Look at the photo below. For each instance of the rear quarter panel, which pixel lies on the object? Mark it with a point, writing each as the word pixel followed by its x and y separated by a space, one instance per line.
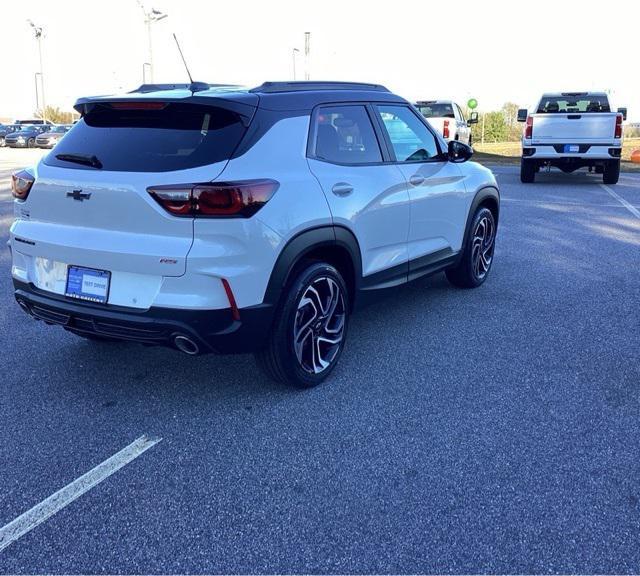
pixel 246 250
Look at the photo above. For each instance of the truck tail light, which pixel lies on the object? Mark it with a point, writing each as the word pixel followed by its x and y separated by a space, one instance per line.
pixel 241 199
pixel 528 128
pixel 445 129
pixel 21 183
pixel 618 132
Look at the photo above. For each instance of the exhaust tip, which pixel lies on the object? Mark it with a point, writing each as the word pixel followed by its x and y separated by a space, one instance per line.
pixel 186 345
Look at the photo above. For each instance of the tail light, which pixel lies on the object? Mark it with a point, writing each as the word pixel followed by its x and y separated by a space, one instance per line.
pixel 528 128
pixel 445 129
pixel 21 183
pixel 240 199
pixel 138 105
pixel 618 132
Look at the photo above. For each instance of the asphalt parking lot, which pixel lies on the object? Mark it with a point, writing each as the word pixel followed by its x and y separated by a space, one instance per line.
pixel 494 430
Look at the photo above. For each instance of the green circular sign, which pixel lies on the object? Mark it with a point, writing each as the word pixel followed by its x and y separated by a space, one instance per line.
pixel 472 103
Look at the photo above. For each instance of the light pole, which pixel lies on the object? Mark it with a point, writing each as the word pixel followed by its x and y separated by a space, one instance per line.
pixel 307 49
pixel 37 90
pixel 38 33
pixel 150 17
pixel 145 72
pixel 293 55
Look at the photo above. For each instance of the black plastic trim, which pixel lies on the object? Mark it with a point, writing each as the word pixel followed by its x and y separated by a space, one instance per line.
pixel 301 245
pixel 431 263
pixel 488 193
pixel 212 330
pixel 305 86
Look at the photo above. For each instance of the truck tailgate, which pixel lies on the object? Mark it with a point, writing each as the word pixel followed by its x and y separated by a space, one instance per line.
pixel 586 127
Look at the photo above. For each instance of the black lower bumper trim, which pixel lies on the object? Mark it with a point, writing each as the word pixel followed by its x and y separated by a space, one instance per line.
pixel 212 330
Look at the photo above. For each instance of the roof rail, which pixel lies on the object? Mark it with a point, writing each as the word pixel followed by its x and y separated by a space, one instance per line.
pixel 274 87
pixel 193 87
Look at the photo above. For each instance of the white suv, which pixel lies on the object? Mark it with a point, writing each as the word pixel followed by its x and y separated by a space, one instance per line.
pixel 219 219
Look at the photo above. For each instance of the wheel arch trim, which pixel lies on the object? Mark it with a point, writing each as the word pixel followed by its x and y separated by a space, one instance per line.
pixel 485 193
pixel 303 244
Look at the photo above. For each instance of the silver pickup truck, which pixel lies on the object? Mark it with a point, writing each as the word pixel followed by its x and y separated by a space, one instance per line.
pixel 572 130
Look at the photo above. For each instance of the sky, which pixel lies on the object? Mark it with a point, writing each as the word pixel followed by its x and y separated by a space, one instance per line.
pixel 491 50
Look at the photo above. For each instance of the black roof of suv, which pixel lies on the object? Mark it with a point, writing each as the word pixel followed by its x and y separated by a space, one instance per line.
pixel 269 95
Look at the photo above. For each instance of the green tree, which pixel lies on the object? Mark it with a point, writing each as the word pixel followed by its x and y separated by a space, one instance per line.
pixel 55 115
pixel 495 127
pixel 510 113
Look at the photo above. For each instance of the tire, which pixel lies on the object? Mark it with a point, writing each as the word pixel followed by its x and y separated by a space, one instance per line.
pixel 611 172
pixel 477 255
pixel 527 171
pixel 31 143
pixel 299 332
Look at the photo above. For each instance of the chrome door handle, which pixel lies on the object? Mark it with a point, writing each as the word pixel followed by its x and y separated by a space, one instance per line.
pixel 342 189
pixel 416 180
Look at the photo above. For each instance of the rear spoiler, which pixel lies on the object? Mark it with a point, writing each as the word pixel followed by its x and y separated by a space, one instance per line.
pixel 243 104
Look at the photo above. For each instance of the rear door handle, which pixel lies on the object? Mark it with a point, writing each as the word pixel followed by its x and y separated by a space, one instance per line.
pixel 342 189
pixel 416 180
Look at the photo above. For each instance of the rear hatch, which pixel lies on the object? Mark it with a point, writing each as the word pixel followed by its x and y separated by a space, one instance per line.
pixel 90 207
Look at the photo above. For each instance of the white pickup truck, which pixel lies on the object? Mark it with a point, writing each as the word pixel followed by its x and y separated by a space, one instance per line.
pixel 571 130
pixel 447 118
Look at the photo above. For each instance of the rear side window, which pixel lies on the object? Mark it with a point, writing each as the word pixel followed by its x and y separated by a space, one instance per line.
pixel 411 140
pixel 176 136
pixel 582 103
pixel 436 110
pixel 345 135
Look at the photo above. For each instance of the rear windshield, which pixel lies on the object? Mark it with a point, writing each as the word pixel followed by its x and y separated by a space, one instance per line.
pixel 436 110
pixel 568 104
pixel 176 137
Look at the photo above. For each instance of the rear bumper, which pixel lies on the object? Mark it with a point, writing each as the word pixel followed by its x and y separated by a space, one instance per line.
pixel 213 330
pixel 556 151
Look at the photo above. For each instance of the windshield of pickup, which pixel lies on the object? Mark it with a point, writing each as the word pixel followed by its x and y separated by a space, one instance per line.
pixel 583 103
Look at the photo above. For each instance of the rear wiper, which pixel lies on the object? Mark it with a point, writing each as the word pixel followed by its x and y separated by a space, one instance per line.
pixel 85 159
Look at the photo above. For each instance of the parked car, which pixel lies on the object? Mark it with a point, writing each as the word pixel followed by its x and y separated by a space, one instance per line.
pixel 448 119
pixel 25 136
pixel 220 219
pixel 6 129
pixel 52 136
pixel 33 122
pixel 572 130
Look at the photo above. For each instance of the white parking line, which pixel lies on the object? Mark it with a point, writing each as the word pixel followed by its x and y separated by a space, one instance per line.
pixel 622 201
pixel 57 501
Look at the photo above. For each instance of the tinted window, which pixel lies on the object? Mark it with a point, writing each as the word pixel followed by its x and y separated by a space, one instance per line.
pixel 410 138
pixel 579 103
pixel 344 135
pixel 176 137
pixel 434 110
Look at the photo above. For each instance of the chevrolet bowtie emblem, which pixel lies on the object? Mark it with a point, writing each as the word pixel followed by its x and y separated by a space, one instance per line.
pixel 79 195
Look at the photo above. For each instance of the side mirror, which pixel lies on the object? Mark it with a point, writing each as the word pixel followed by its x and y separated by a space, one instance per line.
pixel 459 152
pixel 522 114
pixel 473 118
pixel 623 111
